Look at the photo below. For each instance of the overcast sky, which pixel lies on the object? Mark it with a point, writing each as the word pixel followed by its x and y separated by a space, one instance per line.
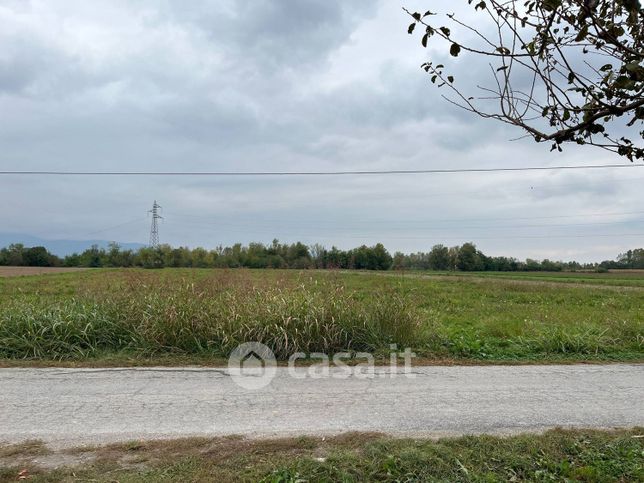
pixel 276 85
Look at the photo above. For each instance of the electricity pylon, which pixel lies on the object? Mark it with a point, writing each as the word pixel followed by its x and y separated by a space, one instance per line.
pixel 154 230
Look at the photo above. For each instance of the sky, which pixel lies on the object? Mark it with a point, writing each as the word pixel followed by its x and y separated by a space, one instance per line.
pixel 289 85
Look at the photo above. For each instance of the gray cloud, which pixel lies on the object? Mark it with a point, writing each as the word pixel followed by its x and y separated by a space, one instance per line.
pixel 292 85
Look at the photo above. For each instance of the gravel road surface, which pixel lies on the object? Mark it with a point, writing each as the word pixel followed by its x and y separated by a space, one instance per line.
pixel 66 407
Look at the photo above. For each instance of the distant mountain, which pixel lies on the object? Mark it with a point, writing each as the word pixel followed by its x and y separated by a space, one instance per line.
pixel 59 247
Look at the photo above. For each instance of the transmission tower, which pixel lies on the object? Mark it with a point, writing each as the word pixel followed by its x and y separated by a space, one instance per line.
pixel 154 230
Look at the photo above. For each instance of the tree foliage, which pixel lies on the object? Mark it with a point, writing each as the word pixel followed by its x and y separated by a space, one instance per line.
pixel 466 257
pixel 560 70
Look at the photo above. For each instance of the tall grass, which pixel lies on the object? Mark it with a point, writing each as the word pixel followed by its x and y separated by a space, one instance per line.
pixel 209 312
pixel 211 315
pixel 69 329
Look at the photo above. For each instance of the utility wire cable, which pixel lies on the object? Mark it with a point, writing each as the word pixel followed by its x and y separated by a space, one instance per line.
pixel 427 222
pixel 429 227
pixel 138 220
pixel 313 173
pixel 356 236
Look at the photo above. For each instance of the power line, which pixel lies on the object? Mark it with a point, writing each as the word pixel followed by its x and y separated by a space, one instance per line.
pixel 475 238
pixel 313 173
pixel 356 236
pixel 444 236
pixel 138 220
pixel 429 226
pixel 531 187
pixel 519 237
pixel 425 222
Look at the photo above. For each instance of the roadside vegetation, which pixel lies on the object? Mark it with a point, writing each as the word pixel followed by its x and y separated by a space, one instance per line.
pixel 198 316
pixel 590 456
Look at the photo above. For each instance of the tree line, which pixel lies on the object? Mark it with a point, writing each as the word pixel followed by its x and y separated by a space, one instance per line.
pixel 465 257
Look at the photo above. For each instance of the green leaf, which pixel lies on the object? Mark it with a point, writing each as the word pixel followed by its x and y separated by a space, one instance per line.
pixel 454 50
pixel 411 28
pixel 582 33
pixel 450 78
pixel 445 31
pixel 623 82
pixel 596 128
pixel 551 4
pixel 635 71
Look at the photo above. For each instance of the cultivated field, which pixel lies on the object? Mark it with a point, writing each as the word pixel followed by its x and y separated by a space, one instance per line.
pixel 22 271
pixel 137 316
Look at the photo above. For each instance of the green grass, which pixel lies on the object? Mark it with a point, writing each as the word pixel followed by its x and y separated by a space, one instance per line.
pixel 590 456
pixel 618 278
pixel 201 315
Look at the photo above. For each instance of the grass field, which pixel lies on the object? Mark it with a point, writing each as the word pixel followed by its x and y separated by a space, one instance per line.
pixel 618 278
pixel 182 315
pixel 24 271
pixel 591 456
